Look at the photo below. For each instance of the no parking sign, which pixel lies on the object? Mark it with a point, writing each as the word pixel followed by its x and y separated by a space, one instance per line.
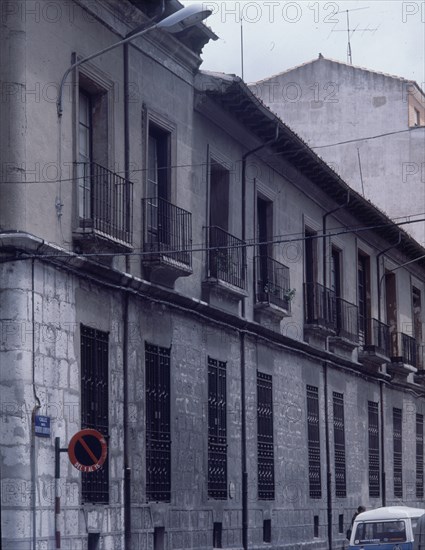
pixel 87 450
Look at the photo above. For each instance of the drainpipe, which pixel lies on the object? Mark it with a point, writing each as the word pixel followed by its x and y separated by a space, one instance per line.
pixel 243 449
pixel 383 476
pixel 324 233
pixel 36 407
pixel 242 354
pixel 328 457
pixel 127 469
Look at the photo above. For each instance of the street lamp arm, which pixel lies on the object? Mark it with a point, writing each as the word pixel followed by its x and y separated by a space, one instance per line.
pixel 92 56
pixel 174 23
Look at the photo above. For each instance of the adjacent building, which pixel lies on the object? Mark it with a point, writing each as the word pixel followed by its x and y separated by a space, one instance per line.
pixel 182 273
pixel 369 126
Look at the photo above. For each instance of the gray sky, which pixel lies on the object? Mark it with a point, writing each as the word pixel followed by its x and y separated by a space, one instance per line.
pixel 281 34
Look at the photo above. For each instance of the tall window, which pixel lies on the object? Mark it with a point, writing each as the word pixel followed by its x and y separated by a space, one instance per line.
pixel 397 453
pixel 363 294
pixel 313 434
pixel 92 140
pixel 85 153
pixel 419 456
pixel 158 437
pixel 265 448
pixel 417 325
pixel 219 196
pixel 217 430
pixel 374 457
pixel 339 444
pixel 391 310
pixel 310 268
pixel 94 405
pixel 158 189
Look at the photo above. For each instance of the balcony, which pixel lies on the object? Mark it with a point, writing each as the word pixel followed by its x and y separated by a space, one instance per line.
pixel 272 286
pixel 226 257
pixel 225 284
pixel 167 241
pixel 347 320
pixel 320 311
pixel 329 315
pixel 105 207
pixel 403 354
pixel 377 347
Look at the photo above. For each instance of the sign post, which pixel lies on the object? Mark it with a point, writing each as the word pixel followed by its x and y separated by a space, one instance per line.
pixel 87 452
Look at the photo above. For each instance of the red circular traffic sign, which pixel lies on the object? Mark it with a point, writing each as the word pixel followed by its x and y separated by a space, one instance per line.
pixel 87 450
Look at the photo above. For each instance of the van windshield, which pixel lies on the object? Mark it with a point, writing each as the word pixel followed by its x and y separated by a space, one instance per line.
pixel 380 531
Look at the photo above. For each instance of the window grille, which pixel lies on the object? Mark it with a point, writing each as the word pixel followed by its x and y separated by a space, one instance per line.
pixel 94 406
pixel 374 457
pixel 313 431
pixel 419 456
pixel 265 449
pixel 397 453
pixel 217 430
pixel 158 437
pixel 339 445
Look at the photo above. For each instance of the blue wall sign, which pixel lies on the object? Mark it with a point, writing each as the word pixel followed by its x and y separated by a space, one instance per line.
pixel 42 426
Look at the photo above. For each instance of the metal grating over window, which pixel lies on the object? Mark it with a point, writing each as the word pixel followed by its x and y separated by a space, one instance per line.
pixel 397 453
pixel 419 456
pixel 94 406
pixel 265 450
pixel 217 430
pixel 339 445
pixel 313 432
pixel 158 437
pixel 373 432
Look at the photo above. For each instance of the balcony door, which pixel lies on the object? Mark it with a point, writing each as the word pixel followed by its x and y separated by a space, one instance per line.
pixel 417 325
pixel 222 258
pixel 265 246
pixel 85 154
pixel 363 297
pixel 391 311
pixel 158 188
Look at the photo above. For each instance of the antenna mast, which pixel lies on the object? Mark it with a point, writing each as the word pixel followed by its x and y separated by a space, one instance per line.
pixel 350 32
pixel 242 71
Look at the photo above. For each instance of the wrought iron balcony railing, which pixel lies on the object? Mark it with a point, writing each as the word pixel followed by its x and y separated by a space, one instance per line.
pixel 347 320
pixel 379 337
pixel 272 282
pixel 226 257
pixel 320 306
pixel 323 308
pixel 403 348
pixel 105 201
pixel 167 231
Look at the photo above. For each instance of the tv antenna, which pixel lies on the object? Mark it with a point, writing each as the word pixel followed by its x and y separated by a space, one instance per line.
pixel 350 32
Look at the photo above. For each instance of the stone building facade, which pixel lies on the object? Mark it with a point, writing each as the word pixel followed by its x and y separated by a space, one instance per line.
pixel 369 126
pixel 180 272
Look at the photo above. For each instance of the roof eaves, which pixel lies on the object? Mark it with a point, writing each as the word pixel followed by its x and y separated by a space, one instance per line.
pixel 357 201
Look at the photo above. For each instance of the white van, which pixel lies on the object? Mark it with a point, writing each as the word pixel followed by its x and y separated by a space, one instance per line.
pixel 387 528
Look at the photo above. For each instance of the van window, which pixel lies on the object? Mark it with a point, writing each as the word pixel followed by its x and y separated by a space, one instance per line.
pixel 382 531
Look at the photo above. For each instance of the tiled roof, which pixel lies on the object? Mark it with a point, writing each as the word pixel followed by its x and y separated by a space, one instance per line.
pixel 322 58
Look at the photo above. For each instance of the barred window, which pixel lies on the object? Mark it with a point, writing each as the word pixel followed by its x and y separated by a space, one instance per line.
pixel 265 449
pixel 94 406
pixel 374 457
pixel 397 453
pixel 339 445
pixel 158 437
pixel 217 430
pixel 313 433
pixel 419 456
